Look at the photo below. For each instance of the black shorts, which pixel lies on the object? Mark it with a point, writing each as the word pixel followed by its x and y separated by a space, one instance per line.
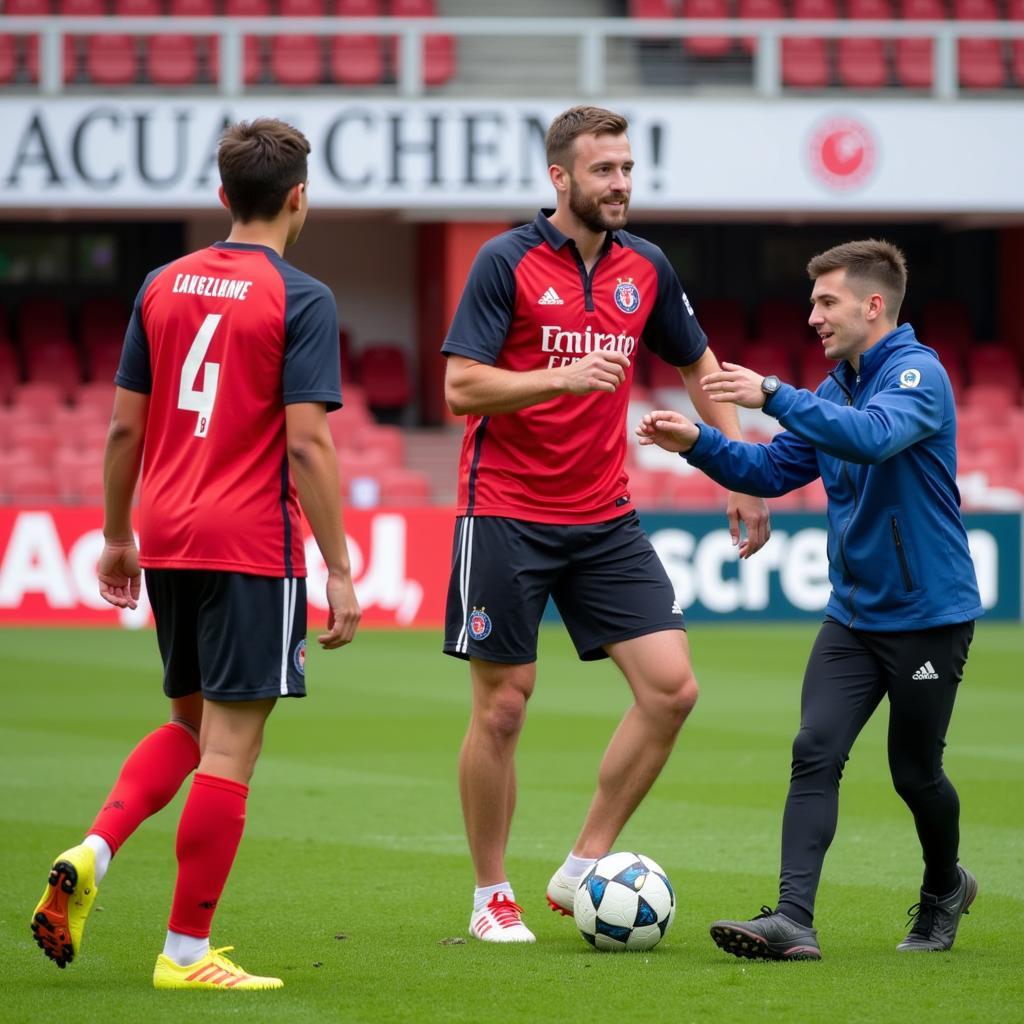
pixel 605 579
pixel 231 635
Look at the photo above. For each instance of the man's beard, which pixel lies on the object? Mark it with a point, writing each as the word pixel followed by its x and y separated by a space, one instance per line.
pixel 589 211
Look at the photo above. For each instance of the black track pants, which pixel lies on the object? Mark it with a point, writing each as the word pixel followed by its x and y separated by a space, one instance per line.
pixel 848 673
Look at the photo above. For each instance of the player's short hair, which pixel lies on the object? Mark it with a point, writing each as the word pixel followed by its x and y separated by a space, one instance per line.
pixel 574 122
pixel 260 162
pixel 872 262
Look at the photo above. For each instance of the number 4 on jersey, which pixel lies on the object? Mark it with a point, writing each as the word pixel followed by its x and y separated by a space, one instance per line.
pixel 189 398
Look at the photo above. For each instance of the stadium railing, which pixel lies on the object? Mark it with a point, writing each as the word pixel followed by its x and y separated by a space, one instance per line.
pixel 591 39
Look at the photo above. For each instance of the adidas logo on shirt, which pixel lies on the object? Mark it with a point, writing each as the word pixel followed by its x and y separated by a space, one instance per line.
pixel 926 671
pixel 550 298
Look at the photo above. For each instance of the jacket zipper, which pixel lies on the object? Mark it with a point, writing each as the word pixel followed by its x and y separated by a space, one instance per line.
pixel 901 554
pixel 842 536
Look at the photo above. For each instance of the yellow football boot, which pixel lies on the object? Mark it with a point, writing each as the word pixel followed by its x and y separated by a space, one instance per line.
pixel 59 918
pixel 214 971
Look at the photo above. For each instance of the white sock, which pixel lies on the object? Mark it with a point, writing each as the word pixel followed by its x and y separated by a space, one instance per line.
pixel 185 950
pixel 577 867
pixel 482 894
pixel 101 848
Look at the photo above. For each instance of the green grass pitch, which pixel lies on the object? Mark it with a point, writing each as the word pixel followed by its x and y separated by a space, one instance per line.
pixel 353 871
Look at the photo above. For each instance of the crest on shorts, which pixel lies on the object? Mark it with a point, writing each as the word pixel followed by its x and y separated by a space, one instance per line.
pixel 299 657
pixel 627 296
pixel 479 624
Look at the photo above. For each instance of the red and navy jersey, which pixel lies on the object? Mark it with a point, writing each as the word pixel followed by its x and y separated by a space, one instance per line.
pixel 222 340
pixel 530 304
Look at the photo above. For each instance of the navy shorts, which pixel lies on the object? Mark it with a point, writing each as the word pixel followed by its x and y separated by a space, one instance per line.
pixel 231 635
pixel 605 579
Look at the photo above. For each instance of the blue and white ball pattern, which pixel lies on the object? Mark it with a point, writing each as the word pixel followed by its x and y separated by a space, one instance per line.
pixel 624 902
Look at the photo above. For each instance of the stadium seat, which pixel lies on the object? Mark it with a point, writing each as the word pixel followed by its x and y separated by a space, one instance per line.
pixel 994 399
pixel 768 357
pixel 54 362
pixel 947 322
pixel 298 60
pixel 706 46
pixel 38 400
pixel 357 59
pixel 862 63
pixel 98 396
pixel 384 372
pixel 805 62
pixel 386 440
pixel 651 9
pixel 980 60
pixel 176 59
pixel 41 320
pixel 30 484
pixel 1015 12
pixel 253 63
pixel 10 370
pixel 404 487
pixel 438 50
pixel 102 321
pixel 724 322
pixel 913 57
pixel 993 364
pixel 38 439
pixel 8 59
pixel 27 45
pixel 693 490
pixel 761 9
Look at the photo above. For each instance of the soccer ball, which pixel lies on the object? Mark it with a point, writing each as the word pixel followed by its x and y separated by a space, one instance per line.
pixel 624 901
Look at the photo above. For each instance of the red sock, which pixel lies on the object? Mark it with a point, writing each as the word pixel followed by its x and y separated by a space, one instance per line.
pixel 208 837
pixel 152 774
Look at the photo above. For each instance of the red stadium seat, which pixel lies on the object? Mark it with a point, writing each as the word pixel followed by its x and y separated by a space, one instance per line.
pixel 724 322
pixel 30 484
pixel 54 362
pixel 1015 12
pixel 298 60
pixel 706 46
pixel 175 59
pixel 8 59
pixel 768 357
pixel 805 62
pixel 101 321
pixel 980 60
pixel 98 396
pixel 869 10
pixel 38 439
pixel 761 9
pixel 252 46
pixel 387 441
pixel 384 372
pixel 10 370
pixel 38 400
pixel 913 57
pixel 404 487
pixel 438 50
pixel 651 9
pixel 862 62
pixel 994 399
pixel 42 320
pixel 357 59
pixel 947 322
pixel 694 490
pixel 993 364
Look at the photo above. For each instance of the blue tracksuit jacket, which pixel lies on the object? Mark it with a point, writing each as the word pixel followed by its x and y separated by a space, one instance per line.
pixel 884 444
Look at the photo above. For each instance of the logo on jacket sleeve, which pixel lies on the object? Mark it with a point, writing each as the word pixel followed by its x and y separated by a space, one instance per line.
pixel 910 378
pixel 479 624
pixel 627 296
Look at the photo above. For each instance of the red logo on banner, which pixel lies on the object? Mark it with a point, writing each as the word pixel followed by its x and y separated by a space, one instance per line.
pixel 842 152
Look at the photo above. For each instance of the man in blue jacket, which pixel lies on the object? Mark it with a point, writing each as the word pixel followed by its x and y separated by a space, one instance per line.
pixel 880 431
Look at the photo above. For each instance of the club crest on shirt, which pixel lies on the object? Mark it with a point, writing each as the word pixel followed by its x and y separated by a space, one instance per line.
pixel 479 624
pixel 627 295
pixel 299 657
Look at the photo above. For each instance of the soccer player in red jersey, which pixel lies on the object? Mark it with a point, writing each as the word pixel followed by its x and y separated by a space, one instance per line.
pixel 540 360
pixel 229 367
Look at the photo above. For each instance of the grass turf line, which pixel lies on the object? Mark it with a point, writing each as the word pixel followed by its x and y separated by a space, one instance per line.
pixel 354 830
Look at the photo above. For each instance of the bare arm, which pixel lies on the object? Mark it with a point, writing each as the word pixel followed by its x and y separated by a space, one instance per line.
pixel 476 388
pixel 752 512
pixel 314 466
pixel 118 569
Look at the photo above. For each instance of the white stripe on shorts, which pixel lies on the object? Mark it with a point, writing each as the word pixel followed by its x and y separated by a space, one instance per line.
pixel 287 617
pixel 466 564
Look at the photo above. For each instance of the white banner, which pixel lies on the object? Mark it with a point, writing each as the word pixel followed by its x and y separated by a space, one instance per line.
pixel 913 156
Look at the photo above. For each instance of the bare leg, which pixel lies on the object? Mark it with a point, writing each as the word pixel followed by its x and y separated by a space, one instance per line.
pixel 657 668
pixel 231 737
pixel 487 780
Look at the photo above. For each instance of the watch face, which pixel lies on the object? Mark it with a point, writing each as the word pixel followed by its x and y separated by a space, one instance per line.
pixel 770 384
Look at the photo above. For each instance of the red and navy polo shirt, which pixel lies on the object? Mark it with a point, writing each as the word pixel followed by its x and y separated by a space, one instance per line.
pixel 221 340
pixel 529 304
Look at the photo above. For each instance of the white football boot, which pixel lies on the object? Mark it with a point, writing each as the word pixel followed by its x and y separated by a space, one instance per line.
pixel 561 892
pixel 500 921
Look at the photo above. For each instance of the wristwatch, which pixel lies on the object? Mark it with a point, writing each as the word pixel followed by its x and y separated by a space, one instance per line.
pixel 769 385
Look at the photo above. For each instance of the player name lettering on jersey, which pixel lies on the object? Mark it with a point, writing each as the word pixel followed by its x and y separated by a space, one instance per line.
pixel 554 339
pixel 214 287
